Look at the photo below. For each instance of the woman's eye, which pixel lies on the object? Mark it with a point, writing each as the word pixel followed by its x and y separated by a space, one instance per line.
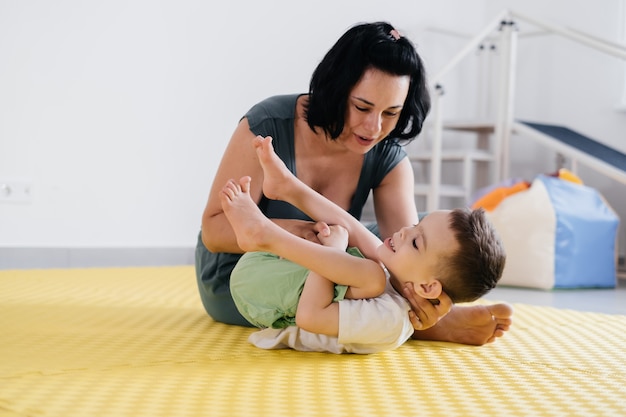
pixel 361 108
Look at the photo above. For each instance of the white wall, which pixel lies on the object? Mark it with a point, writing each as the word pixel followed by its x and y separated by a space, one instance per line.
pixel 118 111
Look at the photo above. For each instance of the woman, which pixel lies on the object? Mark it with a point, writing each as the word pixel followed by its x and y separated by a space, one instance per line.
pixel 342 139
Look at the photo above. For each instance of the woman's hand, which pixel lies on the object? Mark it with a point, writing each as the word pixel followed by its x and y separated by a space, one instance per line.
pixel 425 312
pixel 305 229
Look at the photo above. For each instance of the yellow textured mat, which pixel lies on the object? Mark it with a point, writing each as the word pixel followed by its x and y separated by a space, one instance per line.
pixel 136 342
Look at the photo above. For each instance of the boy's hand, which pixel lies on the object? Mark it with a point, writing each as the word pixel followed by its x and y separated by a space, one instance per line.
pixel 305 229
pixel 337 238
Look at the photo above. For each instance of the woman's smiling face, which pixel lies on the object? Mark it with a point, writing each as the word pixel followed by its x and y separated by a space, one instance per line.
pixel 373 110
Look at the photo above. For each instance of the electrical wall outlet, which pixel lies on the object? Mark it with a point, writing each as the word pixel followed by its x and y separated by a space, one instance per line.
pixel 16 192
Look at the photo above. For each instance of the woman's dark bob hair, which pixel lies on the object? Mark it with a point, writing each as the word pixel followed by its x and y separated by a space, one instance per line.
pixel 368 45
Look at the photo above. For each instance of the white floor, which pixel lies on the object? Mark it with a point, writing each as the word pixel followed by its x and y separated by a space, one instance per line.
pixel 609 301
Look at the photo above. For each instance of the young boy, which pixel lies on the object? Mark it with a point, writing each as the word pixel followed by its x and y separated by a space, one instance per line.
pixel 453 251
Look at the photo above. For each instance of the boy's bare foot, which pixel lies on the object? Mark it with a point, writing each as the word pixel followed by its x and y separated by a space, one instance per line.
pixel 277 179
pixel 470 325
pixel 252 228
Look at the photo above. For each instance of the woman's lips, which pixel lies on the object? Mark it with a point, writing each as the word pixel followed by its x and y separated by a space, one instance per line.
pixel 364 141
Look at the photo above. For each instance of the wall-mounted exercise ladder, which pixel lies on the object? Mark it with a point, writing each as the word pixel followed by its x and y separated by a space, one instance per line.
pixel 579 148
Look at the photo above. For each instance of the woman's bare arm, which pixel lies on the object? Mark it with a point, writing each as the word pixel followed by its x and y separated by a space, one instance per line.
pixel 239 159
pixel 394 200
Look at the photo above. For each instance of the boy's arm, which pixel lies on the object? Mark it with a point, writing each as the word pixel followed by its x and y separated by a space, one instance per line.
pixel 338 238
pixel 317 313
pixel 366 277
pixel 322 209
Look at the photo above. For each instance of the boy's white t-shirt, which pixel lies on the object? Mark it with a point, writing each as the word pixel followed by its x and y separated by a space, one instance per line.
pixel 365 326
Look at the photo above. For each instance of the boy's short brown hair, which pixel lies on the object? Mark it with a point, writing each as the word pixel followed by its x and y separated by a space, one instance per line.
pixel 476 266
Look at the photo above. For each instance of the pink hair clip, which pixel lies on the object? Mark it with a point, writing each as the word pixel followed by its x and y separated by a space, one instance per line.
pixel 395 34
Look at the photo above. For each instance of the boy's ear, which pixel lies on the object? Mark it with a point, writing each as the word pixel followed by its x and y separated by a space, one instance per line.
pixel 432 289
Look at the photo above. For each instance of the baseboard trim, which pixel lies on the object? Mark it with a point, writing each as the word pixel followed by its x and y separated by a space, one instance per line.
pixel 42 258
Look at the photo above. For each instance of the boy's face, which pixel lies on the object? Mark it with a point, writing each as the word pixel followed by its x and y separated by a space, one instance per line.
pixel 412 254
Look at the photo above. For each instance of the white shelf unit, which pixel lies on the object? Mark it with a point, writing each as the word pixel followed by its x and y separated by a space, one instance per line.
pixel 472 167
